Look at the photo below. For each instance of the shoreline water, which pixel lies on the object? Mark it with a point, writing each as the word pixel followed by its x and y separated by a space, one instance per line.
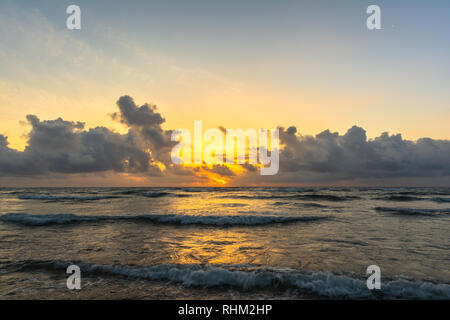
pixel 246 243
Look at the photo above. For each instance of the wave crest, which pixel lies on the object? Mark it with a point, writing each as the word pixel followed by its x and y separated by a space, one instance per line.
pixel 62 198
pixel 27 219
pixel 158 194
pixel 310 197
pixel 413 211
pixel 247 277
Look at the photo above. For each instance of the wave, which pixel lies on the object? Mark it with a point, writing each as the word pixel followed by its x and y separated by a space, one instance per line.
pixel 131 191
pixel 439 199
pixel 399 198
pixel 181 195
pixel 63 198
pixel 423 192
pixel 250 277
pixel 27 219
pixel 157 194
pixel 301 204
pixel 413 211
pixel 199 189
pixel 14 192
pixel 151 194
pixel 315 197
pixel 311 205
pixel 327 197
pixel 412 198
pixel 351 242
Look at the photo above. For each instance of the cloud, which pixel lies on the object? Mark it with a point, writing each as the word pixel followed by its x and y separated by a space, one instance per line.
pixel 353 156
pixel 68 148
pixel 132 115
pixel 59 146
pixel 220 169
pixel 146 121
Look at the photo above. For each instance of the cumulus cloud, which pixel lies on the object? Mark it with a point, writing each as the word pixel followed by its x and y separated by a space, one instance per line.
pixel 132 115
pixel 59 146
pixel 352 155
pixel 66 147
pixel 146 122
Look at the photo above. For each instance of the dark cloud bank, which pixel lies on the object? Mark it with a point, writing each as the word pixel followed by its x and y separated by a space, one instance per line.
pixel 332 157
pixel 66 147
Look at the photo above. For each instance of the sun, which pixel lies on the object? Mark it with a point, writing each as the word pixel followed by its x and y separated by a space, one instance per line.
pixel 215 178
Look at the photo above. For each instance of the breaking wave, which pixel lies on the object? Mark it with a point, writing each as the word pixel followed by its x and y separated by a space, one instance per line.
pixel 63 198
pixel 413 211
pixel 176 219
pixel 250 277
pixel 131 191
pixel 399 198
pixel 157 194
pixel 314 197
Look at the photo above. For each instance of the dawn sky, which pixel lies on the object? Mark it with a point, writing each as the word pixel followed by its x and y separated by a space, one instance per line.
pixel 237 64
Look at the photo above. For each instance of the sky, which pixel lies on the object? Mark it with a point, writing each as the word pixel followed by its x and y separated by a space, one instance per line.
pixel 245 64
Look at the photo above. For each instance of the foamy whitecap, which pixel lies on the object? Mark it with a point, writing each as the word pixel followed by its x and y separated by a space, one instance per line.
pixel 225 220
pixel 249 277
pixel 62 197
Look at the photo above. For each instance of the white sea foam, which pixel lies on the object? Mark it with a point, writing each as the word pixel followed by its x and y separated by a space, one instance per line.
pixel 225 220
pixel 248 277
pixel 62 197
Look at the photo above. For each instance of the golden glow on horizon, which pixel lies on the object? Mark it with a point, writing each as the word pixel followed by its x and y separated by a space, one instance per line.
pixel 78 79
pixel 214 178
pixel 132 177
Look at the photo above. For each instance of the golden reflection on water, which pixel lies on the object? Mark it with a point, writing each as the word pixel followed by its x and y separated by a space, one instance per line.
pixel 216 205
pixel 212 247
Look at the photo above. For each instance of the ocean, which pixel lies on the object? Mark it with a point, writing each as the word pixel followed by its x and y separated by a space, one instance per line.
pixel 224 243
